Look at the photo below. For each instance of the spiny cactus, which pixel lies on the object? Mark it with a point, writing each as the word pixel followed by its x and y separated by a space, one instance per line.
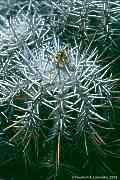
pixel 68 82
pixel 56 97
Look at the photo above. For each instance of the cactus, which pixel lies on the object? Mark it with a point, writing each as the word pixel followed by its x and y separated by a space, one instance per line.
pixel 57 95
